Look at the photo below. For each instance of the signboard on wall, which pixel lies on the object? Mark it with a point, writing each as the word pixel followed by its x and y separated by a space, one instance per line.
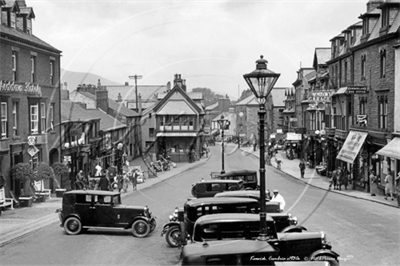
pixel 352 146
pixel 293 136
pixel 356 90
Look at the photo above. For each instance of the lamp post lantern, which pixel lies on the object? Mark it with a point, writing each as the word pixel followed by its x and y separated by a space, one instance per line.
pixel 223 124
pixel 261 81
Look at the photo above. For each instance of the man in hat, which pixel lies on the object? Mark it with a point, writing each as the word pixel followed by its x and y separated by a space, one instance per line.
pixel 278 198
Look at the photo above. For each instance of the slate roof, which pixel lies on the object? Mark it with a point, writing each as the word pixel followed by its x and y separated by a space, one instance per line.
pixel 71 111
pixel 107 122
pixel 128 92
pixel 212 106
pixel 278 96
pixel 322 55
pixel 250 100
pixel 122 109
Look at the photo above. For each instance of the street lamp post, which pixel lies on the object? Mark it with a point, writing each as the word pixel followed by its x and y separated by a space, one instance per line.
pixel 239 128
pixel 261 81
pixel 223 124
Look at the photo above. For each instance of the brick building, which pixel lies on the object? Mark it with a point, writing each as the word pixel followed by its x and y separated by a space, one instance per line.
pixel 29 93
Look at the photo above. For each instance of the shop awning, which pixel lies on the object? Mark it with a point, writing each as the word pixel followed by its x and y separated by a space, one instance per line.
pixel 176 134
pixel 392 149
pixel 352 146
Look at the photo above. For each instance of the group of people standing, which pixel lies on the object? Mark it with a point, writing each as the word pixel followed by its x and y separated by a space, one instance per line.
pixel 340 177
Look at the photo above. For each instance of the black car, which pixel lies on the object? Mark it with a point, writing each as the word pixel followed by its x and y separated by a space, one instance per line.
pixel 181 223
pixel 249 177
pixel 82 209
pixel 306 246
pixel 237 252
pixel 208 188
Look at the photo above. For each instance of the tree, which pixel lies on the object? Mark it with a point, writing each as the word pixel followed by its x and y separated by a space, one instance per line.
pixel 22 172
pixel 245 94
pixel 59 170
pixel 44 172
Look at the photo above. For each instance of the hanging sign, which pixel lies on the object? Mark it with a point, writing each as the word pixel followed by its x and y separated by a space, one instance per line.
pixel 356 90
pixel 32 150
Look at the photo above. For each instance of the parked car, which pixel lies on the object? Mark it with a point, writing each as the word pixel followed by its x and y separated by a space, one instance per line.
pixel 181 223
pixel 285 222
pixel 307 246
pixel 239 252
pixel 208 188
pixel 83 209
pixel 249 177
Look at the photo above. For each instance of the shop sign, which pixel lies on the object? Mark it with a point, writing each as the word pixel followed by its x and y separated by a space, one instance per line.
pixel 356 90
pixel 207 130
pixel 362 119
pixel 293 119
pixel 320 96
pixel 27 88
pixel 293 136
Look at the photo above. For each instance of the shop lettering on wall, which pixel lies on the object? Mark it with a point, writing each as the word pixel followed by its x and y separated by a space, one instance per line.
pixel 28 88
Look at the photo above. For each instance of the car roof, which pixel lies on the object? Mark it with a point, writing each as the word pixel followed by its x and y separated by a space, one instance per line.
pixel 226 247
pixel 217 181
pixel 230 217
pixel 222 200
pixel 239 172
pixel 93 192
pixel 239 193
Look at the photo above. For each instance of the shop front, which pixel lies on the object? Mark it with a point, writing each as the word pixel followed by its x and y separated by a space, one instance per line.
pixel 353 156
pixel 388 159
pixel 177 145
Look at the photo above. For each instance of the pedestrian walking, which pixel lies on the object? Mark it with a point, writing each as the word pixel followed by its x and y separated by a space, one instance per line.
pixel 302 167
pixel 134 179
pixel 398 188
pixel 373 179
pixel 389 185
pixel 104 184
pixel 333 179
pixel 344 178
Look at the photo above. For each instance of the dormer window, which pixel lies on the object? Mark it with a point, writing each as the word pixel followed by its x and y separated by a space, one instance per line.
pixel 365 26
pixel 13 20
pixel 385 17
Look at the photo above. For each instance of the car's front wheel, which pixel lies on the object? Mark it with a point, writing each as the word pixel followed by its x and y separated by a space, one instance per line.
pixel 173 236
pixel 153 224
pixel 73 226
pixel 140 228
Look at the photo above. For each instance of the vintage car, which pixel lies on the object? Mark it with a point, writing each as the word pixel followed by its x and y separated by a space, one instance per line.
pixel 285 222
pixel 83 209
pixel 180 226
pixel 208 188
pixel 237 252
pixel 249 177
pixel 306 246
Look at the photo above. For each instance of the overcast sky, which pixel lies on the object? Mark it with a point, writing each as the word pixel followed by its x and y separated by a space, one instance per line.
pixel 210 43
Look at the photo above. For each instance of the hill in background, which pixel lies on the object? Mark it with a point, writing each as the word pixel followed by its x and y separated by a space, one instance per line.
pixel 73 79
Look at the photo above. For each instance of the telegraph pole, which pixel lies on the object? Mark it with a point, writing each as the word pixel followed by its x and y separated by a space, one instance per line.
pixel 136 77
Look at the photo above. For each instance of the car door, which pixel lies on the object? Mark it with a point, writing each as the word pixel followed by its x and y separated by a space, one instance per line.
pixel 105 214
pixel 85 209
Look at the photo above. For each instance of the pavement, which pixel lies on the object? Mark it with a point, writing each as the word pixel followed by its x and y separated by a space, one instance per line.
pixel 19 222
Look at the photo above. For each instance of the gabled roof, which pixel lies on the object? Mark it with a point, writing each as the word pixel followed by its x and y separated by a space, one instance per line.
pixel 27 11
pixel 173 104
pixel 14 5
pixel 71 111
pixel 321 56
pixel 278 96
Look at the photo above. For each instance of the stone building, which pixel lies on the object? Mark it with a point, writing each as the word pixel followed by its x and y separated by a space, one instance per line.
pixel 364 78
